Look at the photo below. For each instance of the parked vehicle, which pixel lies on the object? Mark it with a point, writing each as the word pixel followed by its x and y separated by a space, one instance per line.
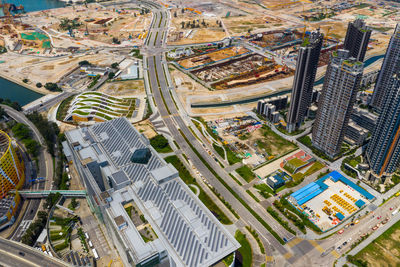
pixel 96 256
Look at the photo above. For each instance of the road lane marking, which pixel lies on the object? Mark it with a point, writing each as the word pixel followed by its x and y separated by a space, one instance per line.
pixel 288 255
pixel 269 259
pixel 335 254
pixel 317 246
pixel 294 242
pixel 19 258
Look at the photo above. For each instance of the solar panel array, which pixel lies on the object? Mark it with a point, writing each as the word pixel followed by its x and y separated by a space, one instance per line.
pixel 121 142
pixel 194 250
pixel 196 239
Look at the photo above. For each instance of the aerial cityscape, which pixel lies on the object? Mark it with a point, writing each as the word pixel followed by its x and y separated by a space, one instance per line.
pixel 220 133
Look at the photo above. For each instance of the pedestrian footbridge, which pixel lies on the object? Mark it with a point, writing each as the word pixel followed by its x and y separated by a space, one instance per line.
pixel 45 193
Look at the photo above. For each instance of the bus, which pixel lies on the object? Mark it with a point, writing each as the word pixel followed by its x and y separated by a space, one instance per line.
pixel 90 244
pixel 96 256
pixel 43 247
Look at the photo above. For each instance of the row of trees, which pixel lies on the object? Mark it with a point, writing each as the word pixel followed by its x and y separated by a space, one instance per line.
pixel 32 233
pixel 24 134
pixel 8 102
pixel 196 24
pixel 49 130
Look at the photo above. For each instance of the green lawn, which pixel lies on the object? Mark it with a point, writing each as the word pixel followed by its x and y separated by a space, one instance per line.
pixel 246 173
pixel 219 150
pixel 231 156
pixel 383 251
pixel 160 144
pixel 314 168
pixel 245 249
pixel 264 190
pixel 293 164
pixel 274 144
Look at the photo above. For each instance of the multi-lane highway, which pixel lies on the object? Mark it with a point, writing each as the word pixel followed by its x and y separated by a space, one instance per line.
pixel 175 123
pixel 45 170
pixel 17 254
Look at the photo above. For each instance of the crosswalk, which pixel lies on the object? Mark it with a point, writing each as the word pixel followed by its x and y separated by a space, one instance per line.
pixel 158 124
pixel 21 229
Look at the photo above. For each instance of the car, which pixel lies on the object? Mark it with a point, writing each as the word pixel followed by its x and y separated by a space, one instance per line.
pixel 21 253
pixel 385 221
pixel 375 227
pixel 352 224
pixel 339 248
pixel 391 208
pixel 356 221
pixel 284 239
pixel 347 226
pixel 340 232
pixel 344 243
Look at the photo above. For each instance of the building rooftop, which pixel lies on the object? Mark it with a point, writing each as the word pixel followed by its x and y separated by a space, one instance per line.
pixel 186 229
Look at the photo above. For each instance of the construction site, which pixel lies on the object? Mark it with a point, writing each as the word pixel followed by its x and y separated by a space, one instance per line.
pixel 286 43
pixel 62 31
pixel 232 67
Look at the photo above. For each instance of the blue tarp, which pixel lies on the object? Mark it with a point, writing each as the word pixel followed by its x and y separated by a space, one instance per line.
pixel 336 176
pixel 306 193
pixel 359 203
pixel 303 189
pixel 310 196
pixel 339 216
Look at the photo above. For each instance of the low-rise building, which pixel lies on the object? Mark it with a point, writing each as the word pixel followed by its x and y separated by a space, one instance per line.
pixel 364 118
pixel 355 134
pixel 122 172
pixel 94 71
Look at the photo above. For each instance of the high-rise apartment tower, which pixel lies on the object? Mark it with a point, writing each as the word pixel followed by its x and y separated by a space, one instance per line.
pixel 383 152
pixel 390 66
pixel 357 38
pixel 341 84
pixel 306 68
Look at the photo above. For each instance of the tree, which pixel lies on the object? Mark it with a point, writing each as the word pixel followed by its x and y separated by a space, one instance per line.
pixel 74 203
pixel 183 24
pixel 175 15
pixel 115 40
pixel 32 146
pixel 53 87
pixel 39 85
pixel 160 143
pixel 21 131
pixel 183 10
pixel 115 65
pixel 25 80
pixel 111 75
pixel 84 63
